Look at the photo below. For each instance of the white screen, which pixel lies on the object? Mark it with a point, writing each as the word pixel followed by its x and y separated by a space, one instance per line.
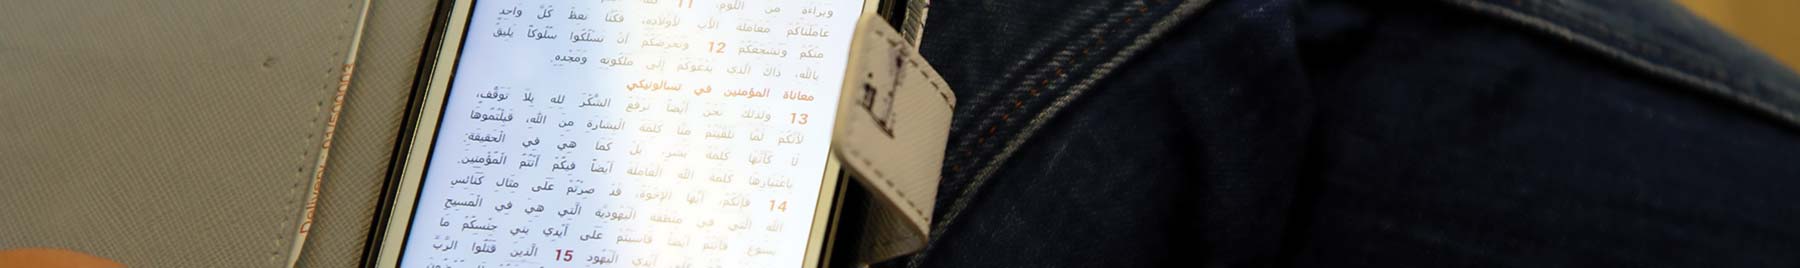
pixel 672 133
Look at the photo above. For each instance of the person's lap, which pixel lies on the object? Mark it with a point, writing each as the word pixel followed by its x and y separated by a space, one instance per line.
pixel 1331 134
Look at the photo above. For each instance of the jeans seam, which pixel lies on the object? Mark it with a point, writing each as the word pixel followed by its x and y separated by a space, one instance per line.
pixel 1705 85
pixel 1183 10
pixel 1009 74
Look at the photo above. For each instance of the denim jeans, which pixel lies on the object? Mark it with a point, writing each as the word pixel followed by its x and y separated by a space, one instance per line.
pixel 1226 133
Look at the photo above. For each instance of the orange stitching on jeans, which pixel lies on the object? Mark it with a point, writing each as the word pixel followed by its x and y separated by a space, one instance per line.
pixel 1061 72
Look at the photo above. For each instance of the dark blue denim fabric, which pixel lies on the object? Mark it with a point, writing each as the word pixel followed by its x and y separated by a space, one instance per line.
pixel 1229 133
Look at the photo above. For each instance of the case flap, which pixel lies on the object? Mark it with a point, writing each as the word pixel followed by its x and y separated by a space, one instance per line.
pixel 893 122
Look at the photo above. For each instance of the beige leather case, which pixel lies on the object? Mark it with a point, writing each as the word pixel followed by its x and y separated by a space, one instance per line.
pixel 185 133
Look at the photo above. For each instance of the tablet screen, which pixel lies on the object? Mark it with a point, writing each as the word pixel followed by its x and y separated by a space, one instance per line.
pixel 649 133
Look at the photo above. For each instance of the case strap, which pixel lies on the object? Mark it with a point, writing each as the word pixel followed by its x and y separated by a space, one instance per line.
pixel 892 125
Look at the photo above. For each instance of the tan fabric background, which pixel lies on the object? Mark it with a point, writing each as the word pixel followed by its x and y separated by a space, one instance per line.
pixel 1770 25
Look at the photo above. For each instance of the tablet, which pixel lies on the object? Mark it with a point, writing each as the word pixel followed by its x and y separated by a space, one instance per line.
pixel 640 133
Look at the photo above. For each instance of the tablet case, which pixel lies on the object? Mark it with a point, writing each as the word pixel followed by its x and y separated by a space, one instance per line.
pixel 166 134
pixel 185 134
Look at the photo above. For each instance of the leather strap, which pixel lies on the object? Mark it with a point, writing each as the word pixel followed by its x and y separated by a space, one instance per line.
pixel 893 122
